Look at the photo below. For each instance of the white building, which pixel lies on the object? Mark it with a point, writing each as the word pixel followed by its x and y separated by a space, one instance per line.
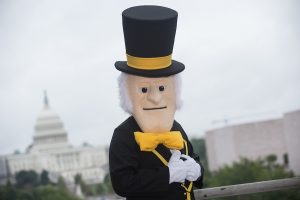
pixel 280 137
pixel 51 151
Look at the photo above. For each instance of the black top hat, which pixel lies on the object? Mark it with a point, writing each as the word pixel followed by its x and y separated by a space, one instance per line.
pixel 149 33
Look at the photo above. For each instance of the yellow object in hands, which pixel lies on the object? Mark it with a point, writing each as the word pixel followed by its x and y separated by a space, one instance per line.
pixel 149 141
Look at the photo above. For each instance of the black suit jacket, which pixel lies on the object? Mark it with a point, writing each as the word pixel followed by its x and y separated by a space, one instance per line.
pixel 141 175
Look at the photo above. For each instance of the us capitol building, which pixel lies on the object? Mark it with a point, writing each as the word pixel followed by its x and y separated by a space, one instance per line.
pixel 51 151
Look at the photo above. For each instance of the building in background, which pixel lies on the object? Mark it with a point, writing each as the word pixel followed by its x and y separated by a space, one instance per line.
pixel 51 151
pixel 280 137
pixel 291 124
pixel 3 170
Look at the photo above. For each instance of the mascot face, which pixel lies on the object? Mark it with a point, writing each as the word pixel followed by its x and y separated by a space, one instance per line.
pixel 153 102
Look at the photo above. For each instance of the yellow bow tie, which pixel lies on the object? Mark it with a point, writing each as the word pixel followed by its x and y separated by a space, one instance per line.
pixel 149 141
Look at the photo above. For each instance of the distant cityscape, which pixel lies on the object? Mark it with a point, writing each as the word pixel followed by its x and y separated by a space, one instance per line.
pixel 254 140
pixel 51 151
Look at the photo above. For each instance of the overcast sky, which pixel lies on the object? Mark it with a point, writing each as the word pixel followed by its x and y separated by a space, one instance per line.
pixel 242 63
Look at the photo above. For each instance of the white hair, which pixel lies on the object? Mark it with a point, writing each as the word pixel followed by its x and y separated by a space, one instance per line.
pixel 125 101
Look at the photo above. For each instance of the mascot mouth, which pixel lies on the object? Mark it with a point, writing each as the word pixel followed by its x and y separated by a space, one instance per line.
pixel 155 108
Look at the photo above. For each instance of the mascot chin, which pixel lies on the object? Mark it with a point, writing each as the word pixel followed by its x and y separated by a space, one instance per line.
pixel 150 155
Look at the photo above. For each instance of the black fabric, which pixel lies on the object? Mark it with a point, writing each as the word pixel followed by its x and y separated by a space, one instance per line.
pixel 149 32
pixel 141 175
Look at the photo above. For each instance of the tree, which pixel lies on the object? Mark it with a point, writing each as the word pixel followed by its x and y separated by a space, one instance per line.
pixel 61 184
pixel 23 195
pixel 200 149
pixel 99 189
pixel 9 192
pixel 107 185
pixel 27 179
pixel 45 178
pixel 79 181
pixel 2 192
pixel 50 193
pixel 246 171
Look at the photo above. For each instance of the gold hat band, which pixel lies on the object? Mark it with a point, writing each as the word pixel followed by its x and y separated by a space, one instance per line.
pixel 149 63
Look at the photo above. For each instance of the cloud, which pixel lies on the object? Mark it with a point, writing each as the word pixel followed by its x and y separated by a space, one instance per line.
pixel 241 57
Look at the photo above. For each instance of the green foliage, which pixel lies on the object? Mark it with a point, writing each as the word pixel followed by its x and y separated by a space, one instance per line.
pixel 61 185
pixel 77 178
pixel 23 195
pixel 9 192
pixel 271 159
pixel 31 187
pixel 107 185
pixel 246 171
pixel 44 178
pixel 84 187
pixel 28 187
pixel 27 179
pixel 51 193
pixel 2 193
pixel 200 149
pixel 98 189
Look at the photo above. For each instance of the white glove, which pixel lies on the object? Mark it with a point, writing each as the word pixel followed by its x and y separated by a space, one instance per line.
pixel 177 168
pixel 193 168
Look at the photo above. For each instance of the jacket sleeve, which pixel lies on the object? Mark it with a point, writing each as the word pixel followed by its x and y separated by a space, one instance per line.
pixel 127 178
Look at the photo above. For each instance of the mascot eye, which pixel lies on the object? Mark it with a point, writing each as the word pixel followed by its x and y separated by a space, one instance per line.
pixel 144 90
pixel 161 88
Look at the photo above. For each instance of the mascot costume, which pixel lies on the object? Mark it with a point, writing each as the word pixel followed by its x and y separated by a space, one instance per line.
pixel 150 155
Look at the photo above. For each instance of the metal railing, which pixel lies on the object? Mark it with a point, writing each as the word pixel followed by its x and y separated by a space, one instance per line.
pixel 247 188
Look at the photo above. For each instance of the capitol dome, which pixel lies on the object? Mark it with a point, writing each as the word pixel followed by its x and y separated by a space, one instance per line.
pixel 49 130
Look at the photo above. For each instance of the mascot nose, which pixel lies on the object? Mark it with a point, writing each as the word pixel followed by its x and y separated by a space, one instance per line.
pixel 154 96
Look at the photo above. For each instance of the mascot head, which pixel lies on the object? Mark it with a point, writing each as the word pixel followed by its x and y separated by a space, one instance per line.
pixel 149 83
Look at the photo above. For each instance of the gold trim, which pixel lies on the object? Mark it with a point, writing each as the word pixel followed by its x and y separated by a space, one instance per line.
pixel 165 162
pixel 161 158
pixel 186 147
pixel 149 63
